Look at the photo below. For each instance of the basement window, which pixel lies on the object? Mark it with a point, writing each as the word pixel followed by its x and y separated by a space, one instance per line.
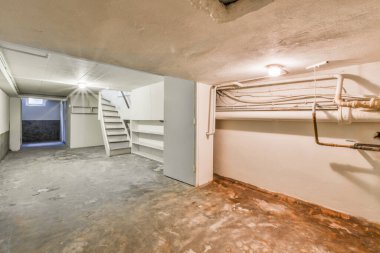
pixel 35 102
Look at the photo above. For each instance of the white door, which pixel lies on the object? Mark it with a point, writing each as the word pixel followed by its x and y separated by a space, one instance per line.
pixel 179 138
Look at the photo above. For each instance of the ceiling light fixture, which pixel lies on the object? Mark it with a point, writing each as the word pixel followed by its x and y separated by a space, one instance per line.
pixel 82 86
pixel 275 70
pixel 23 49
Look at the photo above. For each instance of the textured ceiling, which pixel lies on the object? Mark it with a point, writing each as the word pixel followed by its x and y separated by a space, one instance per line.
pixel 197 39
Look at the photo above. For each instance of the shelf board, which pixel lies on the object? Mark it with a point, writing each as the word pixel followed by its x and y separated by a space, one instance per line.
pixel 147 132
pixel 147 155
pixel 148 145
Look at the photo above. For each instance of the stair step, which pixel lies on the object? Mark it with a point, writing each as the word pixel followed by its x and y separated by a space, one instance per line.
pixel 112 120
pixel 118 141
pixel 114 125
pixel 119 145
pixel 115 132
pixel 120 151
pixel 117 138
pixel 108 108
pixel 107 103
pixel 106 100
pixel 114 128
pixel 110 113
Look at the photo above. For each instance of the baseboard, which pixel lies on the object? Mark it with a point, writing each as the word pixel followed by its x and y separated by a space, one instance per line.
pixel 4 145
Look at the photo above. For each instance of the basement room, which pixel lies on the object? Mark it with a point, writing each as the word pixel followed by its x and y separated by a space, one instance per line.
pixel 193 126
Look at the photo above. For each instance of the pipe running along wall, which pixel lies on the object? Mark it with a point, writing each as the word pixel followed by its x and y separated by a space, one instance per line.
pixel 294 107
pixel 361 146
pixel 340 102
pixel 373 103
pixel 212 105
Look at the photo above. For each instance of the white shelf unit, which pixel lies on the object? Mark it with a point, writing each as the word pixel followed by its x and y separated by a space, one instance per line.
pixel 148 139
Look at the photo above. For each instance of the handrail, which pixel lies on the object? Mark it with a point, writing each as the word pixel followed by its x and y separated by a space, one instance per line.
pixel 125 99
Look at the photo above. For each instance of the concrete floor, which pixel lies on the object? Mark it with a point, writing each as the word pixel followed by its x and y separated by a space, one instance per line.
pixel 59 200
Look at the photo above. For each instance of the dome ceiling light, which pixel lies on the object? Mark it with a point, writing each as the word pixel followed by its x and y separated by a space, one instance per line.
pixel 275 70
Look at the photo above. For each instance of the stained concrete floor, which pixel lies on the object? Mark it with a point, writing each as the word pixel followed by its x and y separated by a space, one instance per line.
pixel 59 200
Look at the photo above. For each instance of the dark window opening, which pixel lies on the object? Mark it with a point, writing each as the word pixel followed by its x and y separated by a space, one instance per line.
pixel 42 121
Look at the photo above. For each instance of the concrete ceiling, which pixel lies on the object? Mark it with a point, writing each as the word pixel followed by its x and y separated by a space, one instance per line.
pixel 201 40
pixel 46 73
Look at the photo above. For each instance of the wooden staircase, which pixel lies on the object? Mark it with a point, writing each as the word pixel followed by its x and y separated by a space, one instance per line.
pixel 115 134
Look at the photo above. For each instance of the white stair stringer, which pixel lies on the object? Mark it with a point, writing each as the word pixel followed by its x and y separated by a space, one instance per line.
pixel 115 134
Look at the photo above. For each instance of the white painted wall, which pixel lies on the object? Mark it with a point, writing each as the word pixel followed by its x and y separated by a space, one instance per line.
pixel 15 137
pixel 4 112
pixel 84 129
pixel 116 99
pixel 282 157
pixel 147 102
pixel 204 144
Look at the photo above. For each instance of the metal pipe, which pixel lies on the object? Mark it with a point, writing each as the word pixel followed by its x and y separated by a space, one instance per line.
pixel 316 137
pixel 273 101
pixel 283 81
pixel 298 115
pixel 211 107
pixel 338 100
pixel 361 146
pixel 317 65
pixel 371 104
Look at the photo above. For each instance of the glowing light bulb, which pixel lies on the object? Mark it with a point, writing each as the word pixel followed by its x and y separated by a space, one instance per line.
pixel 275 70
pixel 82 86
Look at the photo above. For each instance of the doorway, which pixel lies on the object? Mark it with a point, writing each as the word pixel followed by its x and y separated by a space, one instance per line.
pixel 43 122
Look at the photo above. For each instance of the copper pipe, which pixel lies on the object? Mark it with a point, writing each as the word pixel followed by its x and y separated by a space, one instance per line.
pixel 361 146
pixel 322 143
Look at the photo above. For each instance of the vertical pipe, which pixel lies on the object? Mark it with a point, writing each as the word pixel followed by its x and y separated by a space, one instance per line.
pixel 338 91
pixel 211 111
